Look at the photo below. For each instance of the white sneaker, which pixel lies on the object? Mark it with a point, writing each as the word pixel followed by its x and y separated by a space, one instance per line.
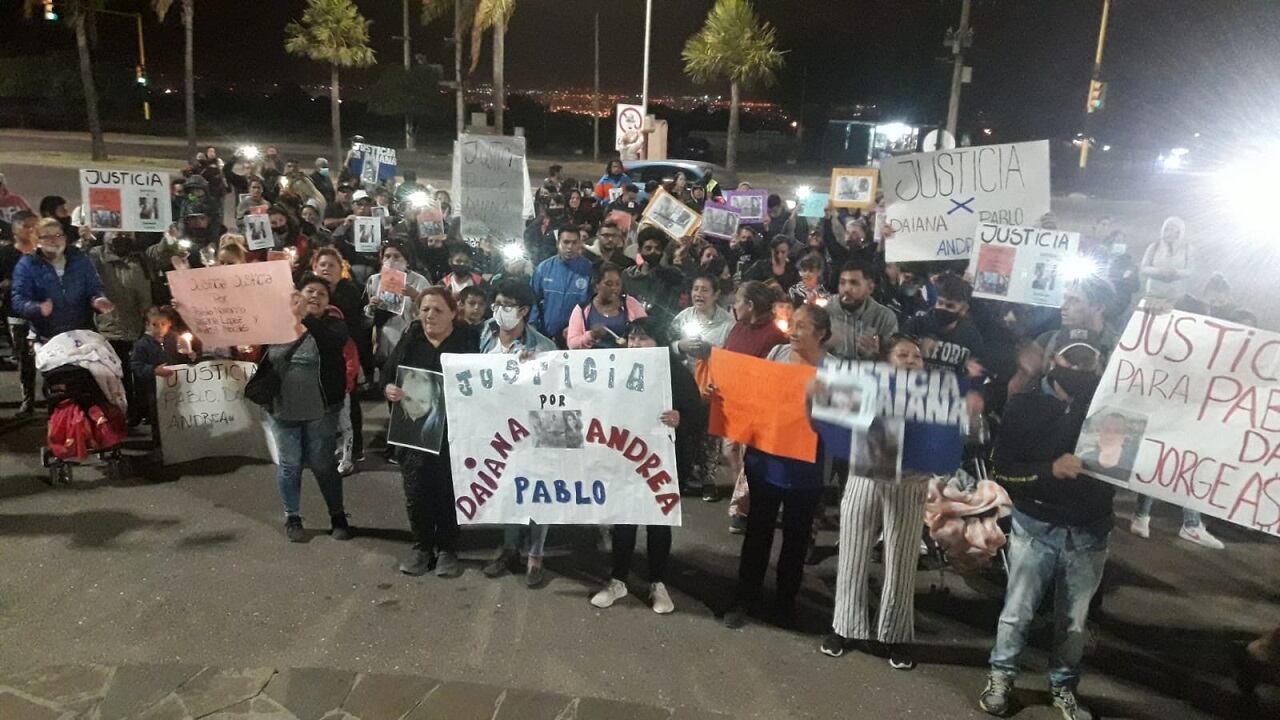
pixel 661 599
pixel 1200 536
pixel 1140 525
pixel 612 593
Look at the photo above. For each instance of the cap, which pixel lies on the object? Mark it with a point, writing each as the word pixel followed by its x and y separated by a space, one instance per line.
pixel 359 195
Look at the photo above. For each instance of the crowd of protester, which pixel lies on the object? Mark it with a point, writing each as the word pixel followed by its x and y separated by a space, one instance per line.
pixel 589 273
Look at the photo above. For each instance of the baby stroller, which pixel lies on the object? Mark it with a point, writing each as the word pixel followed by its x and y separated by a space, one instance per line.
pixel 83 421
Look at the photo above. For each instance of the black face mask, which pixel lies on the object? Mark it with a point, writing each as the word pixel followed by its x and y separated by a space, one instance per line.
pixel 121 246
pixel 555 212
pixel 68 229
pixel 652 259
pixel 1079 384
pixel 461 269
pixel 945 317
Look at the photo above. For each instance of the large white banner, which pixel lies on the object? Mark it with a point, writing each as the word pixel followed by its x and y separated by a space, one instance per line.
pixel 491 186
pixel 1188 412
pixel 562 438
pixel 1021 264
pixel 131 200
pixel 935 201
pixel 203 413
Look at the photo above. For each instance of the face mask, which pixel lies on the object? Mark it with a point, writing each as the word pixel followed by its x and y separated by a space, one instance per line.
pixel 1079 384
pixel 461 269
pixel 910 290
pixel 507 318
pixel 324 172
pixel 120 246
pixel 652 259
pixel 945 317
pixel 555 212
pixel 68 229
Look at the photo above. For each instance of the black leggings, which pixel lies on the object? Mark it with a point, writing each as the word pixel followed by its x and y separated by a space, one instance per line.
pixel 658 543
pixel 798 507
pixel 428 498
pixel 25 356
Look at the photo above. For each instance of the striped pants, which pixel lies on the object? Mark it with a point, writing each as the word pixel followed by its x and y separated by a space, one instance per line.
pixel 866 507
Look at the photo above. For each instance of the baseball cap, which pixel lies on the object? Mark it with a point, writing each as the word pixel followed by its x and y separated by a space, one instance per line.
pixel 359 195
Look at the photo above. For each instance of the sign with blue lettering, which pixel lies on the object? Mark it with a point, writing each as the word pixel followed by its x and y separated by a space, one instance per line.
pixel 562 438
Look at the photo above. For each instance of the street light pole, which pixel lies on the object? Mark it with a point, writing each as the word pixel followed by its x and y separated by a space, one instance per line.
pixel 958 43
pixel 1094 78
pixel 648 27
pixel 595 100
pixel 142 58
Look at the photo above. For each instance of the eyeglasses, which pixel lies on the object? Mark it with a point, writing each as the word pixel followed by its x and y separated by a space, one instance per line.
pixel 52 237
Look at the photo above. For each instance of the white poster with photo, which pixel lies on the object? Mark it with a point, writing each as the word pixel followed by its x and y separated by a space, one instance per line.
pixel 562 438
pixel 1187 413
pixel 203 413
pixel 367 232
pixel 417 421
pixel 935 201
pixel 128 200
pixel 491 186
pixel 1021 264
pixel 257 232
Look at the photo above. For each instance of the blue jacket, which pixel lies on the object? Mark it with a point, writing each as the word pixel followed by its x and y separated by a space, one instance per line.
pixel 558 288
pixel 35 280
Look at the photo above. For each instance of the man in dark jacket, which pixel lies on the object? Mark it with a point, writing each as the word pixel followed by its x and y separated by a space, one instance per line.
pixel 542 235
pixel 57 288
pixel 1061 525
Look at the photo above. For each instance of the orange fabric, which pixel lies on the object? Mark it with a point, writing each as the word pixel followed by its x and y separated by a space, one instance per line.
pixel 762 404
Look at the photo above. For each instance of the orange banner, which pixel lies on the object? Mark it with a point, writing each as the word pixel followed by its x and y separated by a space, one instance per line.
pixel 761 404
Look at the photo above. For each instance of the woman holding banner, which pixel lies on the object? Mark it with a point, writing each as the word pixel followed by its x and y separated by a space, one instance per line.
pixel 428 477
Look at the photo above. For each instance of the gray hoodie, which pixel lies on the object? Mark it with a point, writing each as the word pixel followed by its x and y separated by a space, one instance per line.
pixel 870 319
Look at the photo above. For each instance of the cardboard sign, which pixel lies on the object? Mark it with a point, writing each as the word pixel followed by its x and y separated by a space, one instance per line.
pixel 628 125
pixel 720 221
pixel 814 205
pixel 203 413
pixel 373 164
pixel 853 187
pixel 566 437
pixel 935 201
pixel 1021 264
pixel 752 205
pixel 231 305
pixel 1187 413
pixel 490 185
pixel 257 232
pixel 129 200
pixel 367 232
pixel 774 421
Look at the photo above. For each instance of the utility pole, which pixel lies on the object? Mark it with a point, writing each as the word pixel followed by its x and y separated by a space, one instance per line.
pixel 648 27
pixel 1096 87
pixel 958 42
pixel 409 143
pixel 459 98
pixel 595 100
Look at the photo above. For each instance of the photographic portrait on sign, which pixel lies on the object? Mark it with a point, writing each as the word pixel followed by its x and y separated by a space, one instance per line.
pixel 719 221
pixel 994 269
pixel 848 400
pixel 1045 277
pixel 877 449
pixel 556 428
pixel 668 213
pixel 853 187
pixel 417 421
pixel 1110 441
pixel 105 207
pixel 752 205
pixel 257 231
pixel 368 234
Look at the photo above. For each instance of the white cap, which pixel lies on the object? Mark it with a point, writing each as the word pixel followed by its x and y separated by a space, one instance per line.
pixel 359 195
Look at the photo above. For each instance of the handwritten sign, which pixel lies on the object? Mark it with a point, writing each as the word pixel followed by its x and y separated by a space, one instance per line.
pixel 230 305
pixel 1188 412
pixel 490 182
pixel 130 200
pixel 257 232
pixel 1021 264
pixel 203 413
pixel 935 201
pixel 368 234
pixel 562 438
pixel 776 421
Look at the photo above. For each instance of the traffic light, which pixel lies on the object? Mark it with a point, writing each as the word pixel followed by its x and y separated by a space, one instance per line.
pixel 142 75
pixel 1097 96
pixel 49 13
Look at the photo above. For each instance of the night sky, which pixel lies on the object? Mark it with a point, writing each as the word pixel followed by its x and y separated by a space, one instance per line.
pixel 1174 66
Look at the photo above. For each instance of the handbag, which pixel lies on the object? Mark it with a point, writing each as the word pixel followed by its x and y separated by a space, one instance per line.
pixel 264 386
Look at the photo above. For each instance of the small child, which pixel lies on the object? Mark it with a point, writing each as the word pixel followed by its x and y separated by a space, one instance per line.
pixel 473 304
pixel 152 353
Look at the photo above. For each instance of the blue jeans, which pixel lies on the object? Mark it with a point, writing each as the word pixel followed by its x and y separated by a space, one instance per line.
pixel 313 442
pixel 537 537
pixel 1069 558
pixel 1190 518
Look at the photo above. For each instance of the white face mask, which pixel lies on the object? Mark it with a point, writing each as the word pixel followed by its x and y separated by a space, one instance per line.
pixel 508 317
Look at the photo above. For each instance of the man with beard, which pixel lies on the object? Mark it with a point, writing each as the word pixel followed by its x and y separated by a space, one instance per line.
pixel 655 285
pixel 948 337
pixel 859 324
pixel 609 246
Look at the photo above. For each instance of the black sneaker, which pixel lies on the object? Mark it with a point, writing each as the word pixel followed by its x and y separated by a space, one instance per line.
pixel 834 645
pixel 293 529
pixel 418 563
pixel 1064 699
pixel 501 565
pixel 734 618
pixel 447 566
pixel 900 657
pixel 996 696
pixel 738 524
pixel 359 457
pixel 535 577
pixel 339 529
pixel 710 493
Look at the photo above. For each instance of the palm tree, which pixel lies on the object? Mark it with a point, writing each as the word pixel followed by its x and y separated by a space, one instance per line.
pixel 77 11
pixel 733 45
pixel 493 14
pixel 462 15
pixel 161 8
pixel 331 31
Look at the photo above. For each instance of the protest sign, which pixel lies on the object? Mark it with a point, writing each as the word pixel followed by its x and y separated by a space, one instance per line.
pixel 373 164
pixel 391 284
pixel 417 420
pixel 202 413
pixel 935 201
pixel 674 217
pixel 1021 264
pixel 230 305
pixel 257 232
pixel 368 234
pixel 814 205
pixel 752 205
pixel 904 421
pixel 853 187
pixel 774 421
pixel 622 219
pixel 1188 412
pixel 285 255
pixel 628 126
pixel 563 438
pixel 490 182
pixel 130 200
pixel 719 221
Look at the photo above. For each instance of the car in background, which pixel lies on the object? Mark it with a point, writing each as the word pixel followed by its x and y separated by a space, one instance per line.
pixel 642 171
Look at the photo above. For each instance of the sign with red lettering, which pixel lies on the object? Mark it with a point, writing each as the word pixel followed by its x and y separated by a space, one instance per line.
pixel 562 438
pixel 1188 412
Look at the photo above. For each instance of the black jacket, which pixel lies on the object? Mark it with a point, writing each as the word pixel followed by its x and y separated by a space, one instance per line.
pixel 331 337
pixel 415 351
pixel 1038 429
